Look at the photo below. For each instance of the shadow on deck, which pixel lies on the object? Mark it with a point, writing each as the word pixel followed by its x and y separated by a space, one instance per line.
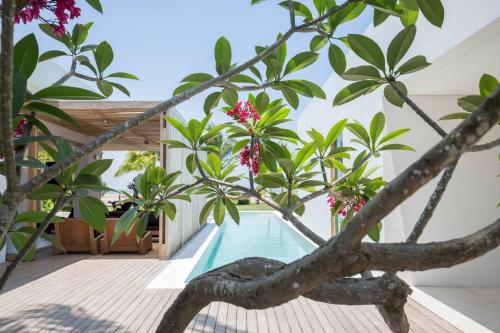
pixel 83 293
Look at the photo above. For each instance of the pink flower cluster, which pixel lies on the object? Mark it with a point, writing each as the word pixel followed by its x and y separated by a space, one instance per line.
pixel 354 204
pixel 242 111
pixel 62 9
pixel 18 132
pixel 245 158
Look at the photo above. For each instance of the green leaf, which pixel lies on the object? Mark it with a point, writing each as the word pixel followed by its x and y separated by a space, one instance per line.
pixel 396 146
pixel 183 87
pixel 335 132
pixel 49 30
pixel 355 90
pixel 19 239
pixel 337 59
pixel 291 97
pixel 125 223
pixel 215 163
pixel 96 168
pixel 197 77
pixel 412 65
pixel 392 96
pixel 170 210
pixel 66 92
pixel 359 131
pixel 410 12
pixel 455 116
pixel 348 13
pixel 47 191
pixel 223 55
pixel 211 102
pixel 487 85
pixel 392 135
pixel 96 4
pixel 433 11
pixel 19 84
pixel 367 50
pixel 374 233
pixel 103 56
pixel 34 217
pixel 26 55
pixel 298 8
pixel 317 43
pixel 123 75
pixel 379 17
pixel 377 126
pixel 242 78
pixel 304 154
pixel 361 73
pixel 233 211
pixel 120 87
pixel 205 211
pixel 230 97
pixel 105 88
pixel 179 127
pixel 52 111
pixel 219 212
pixel 51 55
pixel 471 103
pixel 80 33
pixel 400 45
pixel 300 61
pixel 94 212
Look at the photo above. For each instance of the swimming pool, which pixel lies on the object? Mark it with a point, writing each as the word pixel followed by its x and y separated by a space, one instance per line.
pixel 257 235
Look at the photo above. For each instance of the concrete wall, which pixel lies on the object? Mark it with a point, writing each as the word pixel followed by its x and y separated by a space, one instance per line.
pixel 464 49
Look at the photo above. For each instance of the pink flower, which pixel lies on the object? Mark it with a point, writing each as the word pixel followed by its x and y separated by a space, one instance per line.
pixel 241 112
pixel 63 10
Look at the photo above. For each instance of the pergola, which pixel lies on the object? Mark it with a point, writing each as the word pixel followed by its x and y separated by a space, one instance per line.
pixel 96 117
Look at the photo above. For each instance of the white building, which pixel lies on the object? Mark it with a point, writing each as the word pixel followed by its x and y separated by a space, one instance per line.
pixel 466 47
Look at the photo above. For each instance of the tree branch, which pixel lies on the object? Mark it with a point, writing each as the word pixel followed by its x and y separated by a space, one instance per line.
pixel 485 146
pixel 418 110
pixel 434 200
pixel 68 75
pixel 60 202
pixel 424 169
pixel 6 70
pixel 342 255
pixel 421 257
pixel 104 138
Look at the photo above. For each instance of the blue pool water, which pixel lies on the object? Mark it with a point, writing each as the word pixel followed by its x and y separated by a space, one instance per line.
pixel 257 235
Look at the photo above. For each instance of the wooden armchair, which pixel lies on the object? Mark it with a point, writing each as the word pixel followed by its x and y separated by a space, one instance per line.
pixel 126 243
pixel 76 236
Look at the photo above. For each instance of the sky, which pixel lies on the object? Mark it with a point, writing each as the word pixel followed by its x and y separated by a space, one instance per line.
pixel 163 41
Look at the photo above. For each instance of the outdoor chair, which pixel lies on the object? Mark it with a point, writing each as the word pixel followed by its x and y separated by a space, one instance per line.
pixel 76 236
pixel 125 243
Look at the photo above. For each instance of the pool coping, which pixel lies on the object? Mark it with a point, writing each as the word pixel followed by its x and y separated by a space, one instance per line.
pixel 174 276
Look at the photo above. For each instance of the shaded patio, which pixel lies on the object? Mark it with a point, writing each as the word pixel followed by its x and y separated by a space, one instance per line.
pixel 83 293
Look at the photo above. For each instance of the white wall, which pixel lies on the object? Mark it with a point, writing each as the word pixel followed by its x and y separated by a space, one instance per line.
pixel 461 52
pixel 468 205
pixel 186 222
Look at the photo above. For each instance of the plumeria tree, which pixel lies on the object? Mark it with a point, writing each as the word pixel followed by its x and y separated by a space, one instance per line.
pixel 286 171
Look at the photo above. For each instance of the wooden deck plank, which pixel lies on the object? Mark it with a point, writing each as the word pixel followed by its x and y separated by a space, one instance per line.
pixel 83 293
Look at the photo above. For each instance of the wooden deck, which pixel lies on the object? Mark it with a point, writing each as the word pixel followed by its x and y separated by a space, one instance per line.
pixel 82 293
